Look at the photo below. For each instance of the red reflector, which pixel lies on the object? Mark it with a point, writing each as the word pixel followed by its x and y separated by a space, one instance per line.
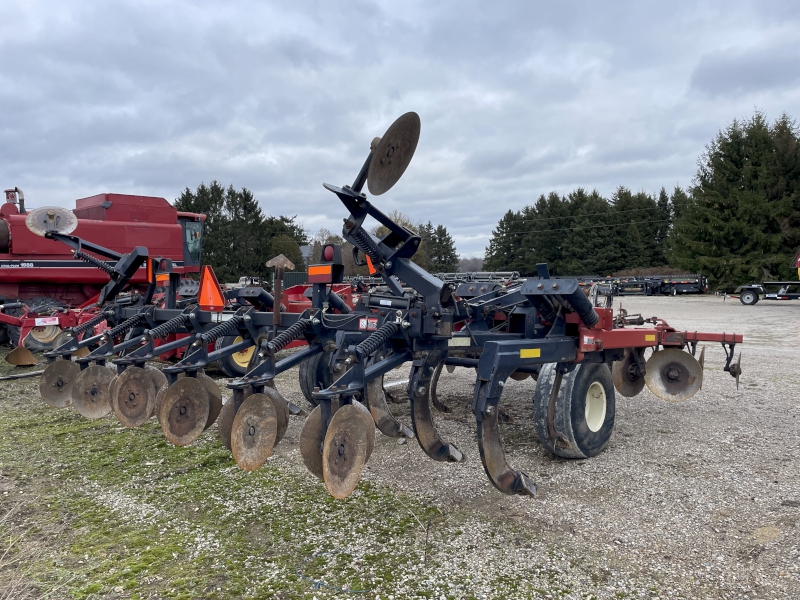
pixel 210 297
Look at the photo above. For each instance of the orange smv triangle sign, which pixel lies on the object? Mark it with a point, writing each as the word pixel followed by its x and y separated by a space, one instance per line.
pixel 210 297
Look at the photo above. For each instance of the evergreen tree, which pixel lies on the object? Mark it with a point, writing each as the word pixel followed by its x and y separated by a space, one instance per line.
pixel 443 256
pixel 741 223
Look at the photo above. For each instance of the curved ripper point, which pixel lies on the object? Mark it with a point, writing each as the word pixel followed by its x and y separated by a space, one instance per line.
pixel 429 439
pixel 493 456
pixel 385 421
pixel 438 404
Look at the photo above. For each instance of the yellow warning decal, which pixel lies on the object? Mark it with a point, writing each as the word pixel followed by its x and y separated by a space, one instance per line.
pixel 530 353
pixel 650 337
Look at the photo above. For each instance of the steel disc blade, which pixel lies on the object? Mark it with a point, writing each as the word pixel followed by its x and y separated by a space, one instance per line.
pixel 184 411
pixel 135 397
pixel 392 154
pixel 369 427
pixel 673 375
pixel 225 420
pixel 311 437
pixel 91 392
pixel 214 396
pixel 56 383
pixel 625 382
pixel 21 357
pixel 281 411
pixel 40 219
pixel 344 452
pixel 254 431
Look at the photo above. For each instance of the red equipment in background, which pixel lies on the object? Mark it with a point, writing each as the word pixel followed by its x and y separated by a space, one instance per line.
pixel 43 276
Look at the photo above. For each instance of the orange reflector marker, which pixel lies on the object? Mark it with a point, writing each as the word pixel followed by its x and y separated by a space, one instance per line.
pixel 320 274
pixel 210 297
pixel 150 271
pixel 372 269
pixel 162 278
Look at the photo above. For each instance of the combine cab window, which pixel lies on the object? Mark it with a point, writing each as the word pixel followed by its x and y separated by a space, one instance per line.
pixel 192 243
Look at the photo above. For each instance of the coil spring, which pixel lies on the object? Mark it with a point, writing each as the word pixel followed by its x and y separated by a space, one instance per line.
pixel 125 326
pixel 168 327
pixel 222 329
pixel 364 243
pixel 378 338
pixel 287 337
pixel 95 262
pixel 89 325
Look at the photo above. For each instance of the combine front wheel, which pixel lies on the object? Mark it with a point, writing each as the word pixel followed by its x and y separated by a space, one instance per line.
pixel 583 418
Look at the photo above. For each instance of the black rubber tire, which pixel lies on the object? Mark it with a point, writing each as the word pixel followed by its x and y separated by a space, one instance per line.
pixel 748 297
pixel 570 414
pixel 314 373
pixel 227 365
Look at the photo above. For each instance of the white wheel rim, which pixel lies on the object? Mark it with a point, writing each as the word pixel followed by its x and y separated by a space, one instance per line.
pixel 595 406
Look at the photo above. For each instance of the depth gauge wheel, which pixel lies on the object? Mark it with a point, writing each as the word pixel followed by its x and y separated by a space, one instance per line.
pixel 234 365
pixel 584 410
pixel 748 297
pixel 313 373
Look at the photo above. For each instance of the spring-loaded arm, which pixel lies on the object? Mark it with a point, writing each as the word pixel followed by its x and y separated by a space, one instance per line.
pixel 124 327
pixel 222 329
pixel 89 325
pixel 170 326
pixel 378 338
pixel 292 333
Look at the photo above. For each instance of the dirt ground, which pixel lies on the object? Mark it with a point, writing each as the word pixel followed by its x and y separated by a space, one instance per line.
pixel 699 499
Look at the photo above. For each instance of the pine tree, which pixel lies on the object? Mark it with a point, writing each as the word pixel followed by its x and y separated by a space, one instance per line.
pixel 739 225
pixel 443 256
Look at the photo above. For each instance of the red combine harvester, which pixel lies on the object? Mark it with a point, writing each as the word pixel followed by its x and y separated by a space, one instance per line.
pixel 40 279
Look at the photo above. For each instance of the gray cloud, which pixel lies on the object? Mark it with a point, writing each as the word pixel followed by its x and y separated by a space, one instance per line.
pixel 516 99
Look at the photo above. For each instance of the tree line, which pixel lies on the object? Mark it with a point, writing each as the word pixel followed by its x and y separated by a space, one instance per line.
pixel 739 220
pixel 238 239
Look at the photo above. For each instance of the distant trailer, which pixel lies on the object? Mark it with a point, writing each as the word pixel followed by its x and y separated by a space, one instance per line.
pixel 751 293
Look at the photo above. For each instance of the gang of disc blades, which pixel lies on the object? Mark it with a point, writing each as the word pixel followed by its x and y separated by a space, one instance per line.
pixel 38 220
pixel 624 382
pixel 91 392
pixel 281 411
pixel 344 452
pixel 135 397
pixel 56 383
pixel 311 437
pixel 214 398
pixel 254 431
pixel 184 411
pixel 225 419
pixel 392 154
pixel 369 427
pixel 673 375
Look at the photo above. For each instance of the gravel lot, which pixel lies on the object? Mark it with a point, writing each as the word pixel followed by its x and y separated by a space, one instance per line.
pixel 699 499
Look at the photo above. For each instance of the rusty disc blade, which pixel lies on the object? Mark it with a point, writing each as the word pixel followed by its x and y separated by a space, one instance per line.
pixel 344 452
pixel 214 397
pixel 21 357
pixel 311 437
pixel 40 219
pixel 159 383
pixel 184 411
pixel 56 383
pixel 281 411
pixel 225 420
pixel 625 382
pixel 90 392
pixel 673 375
pixel 369 427
pixel 134 398
pixel 254 431
pixel 392 153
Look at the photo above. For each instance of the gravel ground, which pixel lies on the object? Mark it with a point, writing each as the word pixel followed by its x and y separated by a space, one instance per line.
pixel 699 499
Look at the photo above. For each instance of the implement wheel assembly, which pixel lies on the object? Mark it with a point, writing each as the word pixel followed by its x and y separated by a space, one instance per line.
pixel 748 297
pixel 584 410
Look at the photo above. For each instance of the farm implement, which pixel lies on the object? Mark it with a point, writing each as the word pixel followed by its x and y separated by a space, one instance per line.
pixel 549 329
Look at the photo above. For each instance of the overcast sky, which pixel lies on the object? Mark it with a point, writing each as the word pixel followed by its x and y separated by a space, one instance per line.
pixel 516 98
